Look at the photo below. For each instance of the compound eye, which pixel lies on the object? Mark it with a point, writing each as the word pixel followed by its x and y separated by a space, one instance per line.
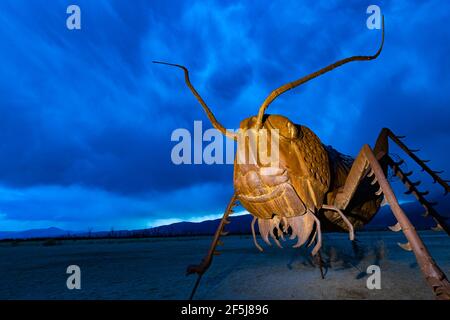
pixel 292 130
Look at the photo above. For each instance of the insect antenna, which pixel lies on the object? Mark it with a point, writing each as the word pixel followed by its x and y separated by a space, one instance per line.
pixel 288 86
pixel 210 115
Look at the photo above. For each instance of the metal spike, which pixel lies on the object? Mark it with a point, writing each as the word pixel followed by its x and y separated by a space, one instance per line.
pixel 425 161
pixel 224 233
pixel 217 253
pixel 395 228
pixel 219 243
pixel 405 246
pixel 398 164
pixel 374 181
pixel 424 193
pixel 415 184
pixel 379 192
pixel 226 221
pixel 437 228
pixel 370 173
pixel 426 213
pixel 400 137
pixel 438 172
pixel 409 191
pixel 407 174
pixel 414 150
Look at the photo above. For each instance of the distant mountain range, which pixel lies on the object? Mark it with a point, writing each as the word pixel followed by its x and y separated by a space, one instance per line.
pixel 33 233
pixel 241 224
pixel 238 225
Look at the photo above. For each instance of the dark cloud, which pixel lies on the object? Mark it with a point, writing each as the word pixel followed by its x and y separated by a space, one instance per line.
pixel 86 118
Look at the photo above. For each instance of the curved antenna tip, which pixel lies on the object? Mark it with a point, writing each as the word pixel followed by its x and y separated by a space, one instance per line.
pixel 162 62
pixel 290 85
pixel 171 64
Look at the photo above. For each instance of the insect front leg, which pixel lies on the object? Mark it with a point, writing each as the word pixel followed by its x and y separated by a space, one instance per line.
pixel 201 268
pixel 351 231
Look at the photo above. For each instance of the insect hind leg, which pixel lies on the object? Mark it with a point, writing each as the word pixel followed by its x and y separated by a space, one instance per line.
pixel 433 274
pixel 367 164
pixel 381 151
pixel 382 147
pixel 420 196
pixel 357 173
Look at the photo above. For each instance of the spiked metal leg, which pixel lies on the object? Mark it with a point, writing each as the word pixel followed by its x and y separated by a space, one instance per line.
pixel 433 274
pixel 420 196
pixel 368 164
pixel 201 268
pixel 381 149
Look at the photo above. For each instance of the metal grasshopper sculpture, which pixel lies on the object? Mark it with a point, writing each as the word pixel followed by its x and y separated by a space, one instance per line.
pixel 316 188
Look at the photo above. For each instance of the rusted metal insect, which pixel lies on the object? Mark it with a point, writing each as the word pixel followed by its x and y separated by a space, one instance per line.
pixel 316 188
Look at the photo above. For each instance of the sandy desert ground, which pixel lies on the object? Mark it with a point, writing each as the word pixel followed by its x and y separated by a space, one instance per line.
pixel 155 269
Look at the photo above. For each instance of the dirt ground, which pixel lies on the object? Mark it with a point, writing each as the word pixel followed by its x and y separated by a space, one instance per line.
pixel 155 269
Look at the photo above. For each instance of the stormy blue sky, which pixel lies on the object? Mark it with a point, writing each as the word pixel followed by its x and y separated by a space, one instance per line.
pixel 86 119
